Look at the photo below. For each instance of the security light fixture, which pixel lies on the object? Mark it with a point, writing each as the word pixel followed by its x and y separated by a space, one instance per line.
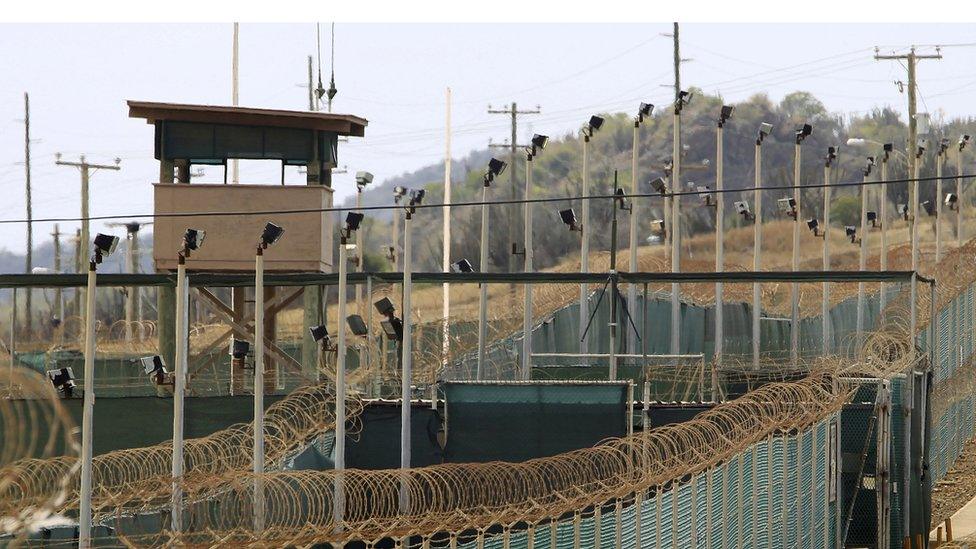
pixel 645 110
pixel 814 225
pixel 63 380
pixel 620 200
pixel 319 333
pixel 658 227
pixel 831 156
pixel 593 126
pixel 742 208
pixel 725 115
pixel 153 364
pixel 357 325
pixel 392 328
pixel 764 130
pixel 788 207
pixel 416 198
pixel 353 220
pixel 920 150
pixel 929 208
pixel 963 141
pixel 105 244
pixel 952 201
pixel 192 240
pixel 569 218
pixel 363 179
pixel 888 148
pixel 398 193
pixel 462 266
pixel 903 210
pixel 659 185
pixel 868 166
pixel 684 97
pixel 495 168
pixel 271 234
pixel 539 143
pixel 803 132
pixel 385 307
pixel 851 232
pixel 704 194
pixel 872 218
pixel 240 349
pixel 943 145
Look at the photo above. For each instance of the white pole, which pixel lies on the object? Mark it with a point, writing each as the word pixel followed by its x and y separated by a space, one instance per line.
pixel 85 505
pixel 862 256
pixel 913 326
pixel 527 305
pixel 757 256
pixel 406 376
pixel 446 264
pixel 258 427
pixel 719 243
pixel 483 287
pixel 634 189
pixel 676 232
pixel 795 287
pixel 959 201
pixel 883 217
pixel 585 250
pixel 939 162
pixel 235 92
pixel 338 509
pixel 825 303
pixel 179 390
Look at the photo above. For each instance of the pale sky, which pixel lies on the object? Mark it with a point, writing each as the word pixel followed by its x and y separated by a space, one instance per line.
pixel 395 75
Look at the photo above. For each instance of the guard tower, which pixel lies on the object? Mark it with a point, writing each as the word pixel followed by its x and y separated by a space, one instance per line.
pixel 211 135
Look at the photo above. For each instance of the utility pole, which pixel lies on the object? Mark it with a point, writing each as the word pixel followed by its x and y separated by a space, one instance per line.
pixel 513 146
pixel 84 238
pixel 30 225
pixel 311 87
pixel 446 256
pixel 677 64
pixel 235 93
pixel 58 299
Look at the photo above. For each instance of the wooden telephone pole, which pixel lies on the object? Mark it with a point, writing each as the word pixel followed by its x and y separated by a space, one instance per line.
pixel 29 266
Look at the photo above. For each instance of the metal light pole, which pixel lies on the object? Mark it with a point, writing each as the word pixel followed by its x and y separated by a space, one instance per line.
pixel 103 245
pixel 645 110
pixel 764 130
pixel 799 135
pixel 825 303
pixel 725 115
pixel 916 168
pixel 959 202
pixel 940 157
pixel 338 501
pixel 495 168
pixel 862 250
pixel 526 373
pixel 406 375
pixel 179 389
pixel 683 99
pixel 588 130
pixel 883 217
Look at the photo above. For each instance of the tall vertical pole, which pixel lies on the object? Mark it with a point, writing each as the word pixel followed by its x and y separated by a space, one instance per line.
pixel 862 255
pixel 58 293
pixel 85 235
pixel 795 287
pixel 29 258
pixel 338 501
pixel 585 249
pixel 939 163
pixel 614 291
pixel 85 500
pixel 406 375
pixel 396 237
pixel 258 427
pixel 235 92
pixel 360 256
pixel 719 242
pixel 883 217
pixel 677 62
pixel 513 210
pixel 916 155
pixel 483 287
pixel 676 222
pixel 825 302
pixel 634 242
pixel 757 256
pixel 526 373
pixel 311 86
pixel 446 262
pixel 179 390
pixel 959 201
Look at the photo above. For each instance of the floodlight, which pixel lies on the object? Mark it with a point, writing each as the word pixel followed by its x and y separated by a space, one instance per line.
pixel 393 328
pixel 319 333
pixel 133 227
pixel 963 141
pixel 595 123
pixel 943 145
pixel 539 142
pixel 63 380
pixel 363 179
pixel 353 219
pixel 814 225
pixel 645 110
pixel 787 206
pixel 620 200
pixel 921 148
pixel 903 210
pixel 803 132
pixel 462 266
pixel 495 168
pixel 569 218
pixel 684 97
pixel 55 322
pixel 271 234
pixel 872 218
pixel 726 114
pixel 193 239
pixel 105 244
pixel 659 185
pixel 888 147
pixel 658 226
pixel 152 364
pixel 742 208
pixel 831 155
pixel 357 325
pixel 704 194
pixel 764 130
pixel 929 208
pixel 952 201
pixel 385 307
pixel 240 349
pixel 398 192
pixel 417 196
pixel 851 232
pixel 867 167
